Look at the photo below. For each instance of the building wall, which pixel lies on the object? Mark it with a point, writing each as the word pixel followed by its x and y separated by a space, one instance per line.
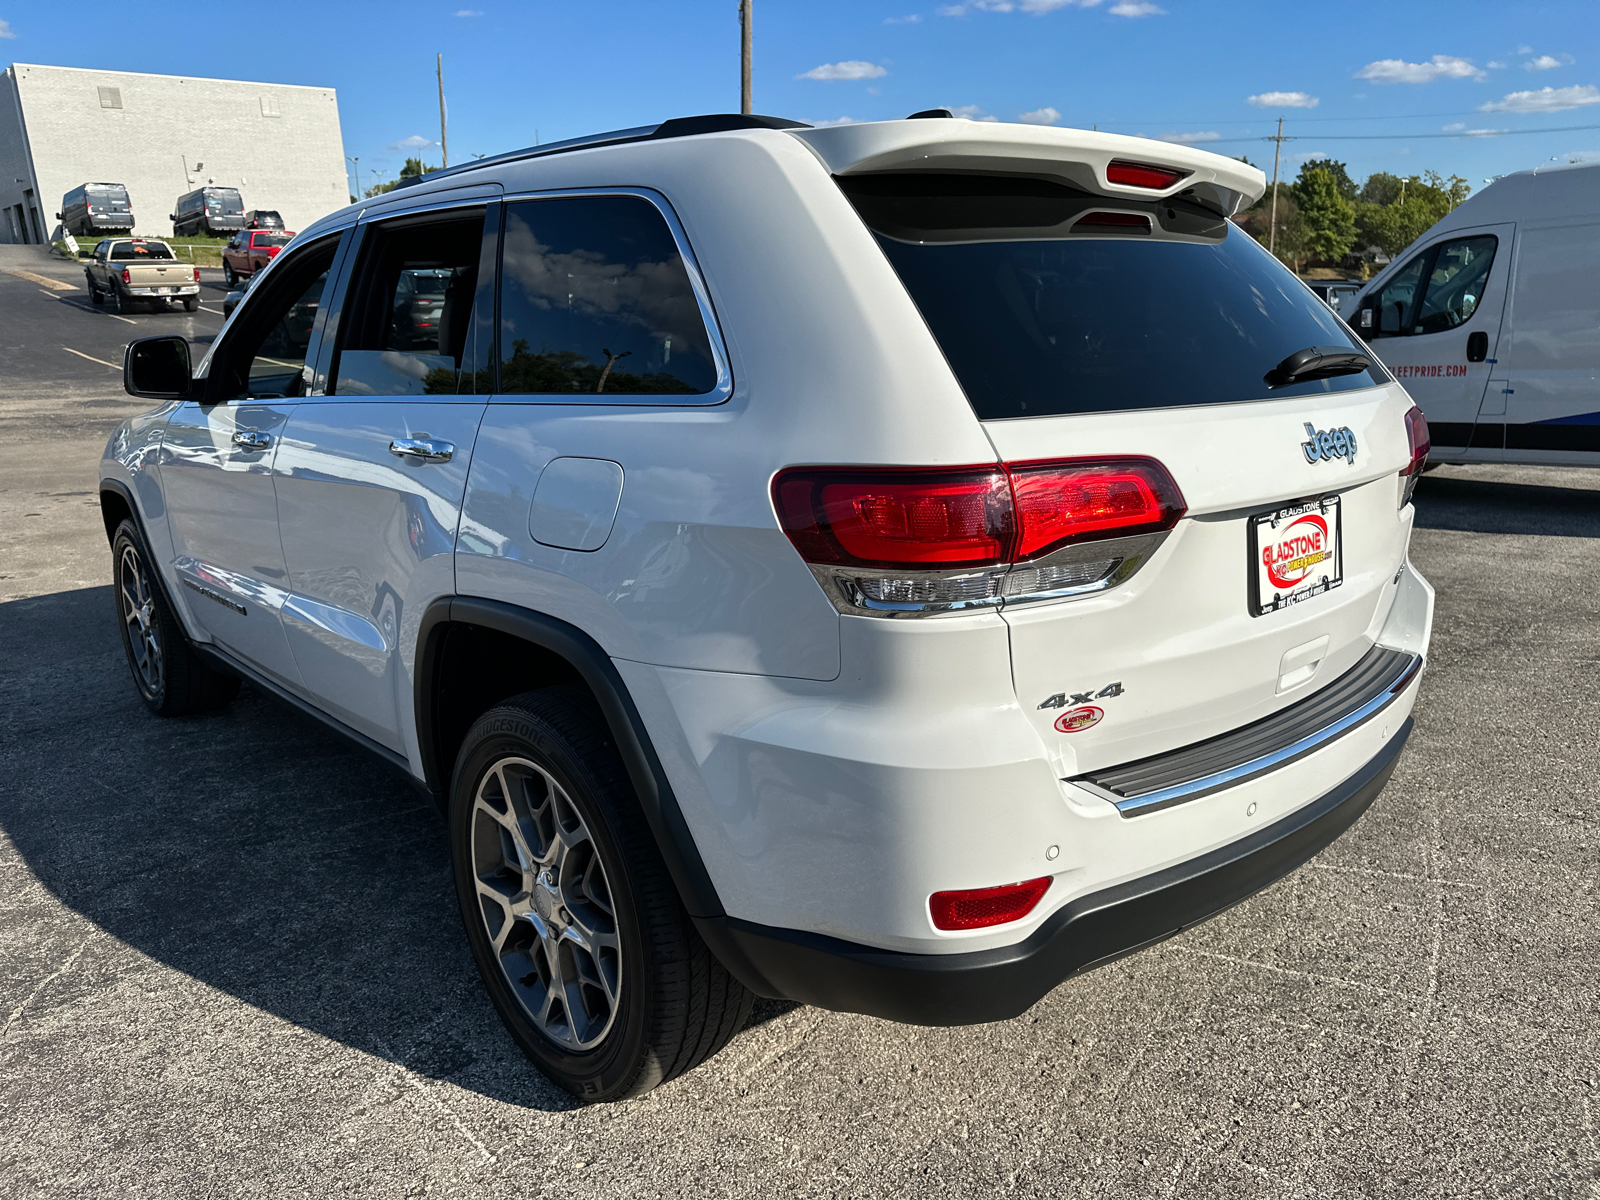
pixel 279 145
pixel 17 189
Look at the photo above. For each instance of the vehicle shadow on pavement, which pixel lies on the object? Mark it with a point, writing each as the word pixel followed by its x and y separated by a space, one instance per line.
pixel 250 849
pixel 1498 506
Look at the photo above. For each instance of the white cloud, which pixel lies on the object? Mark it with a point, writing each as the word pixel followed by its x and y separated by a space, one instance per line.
pixel 853 69
pixel 972 112
pixel 1545 62
pixel 1495 66
pixel 1284 100
pixel 1190 139
pixel 1486 132
pixel 6 30
pixel 909 19
pixel 1524 49
pixel 1040 116
pixel 1137 8
pixel 415 142
pixel 1035 8
pixel 469 12
pixel 1545 100
pixel 1454 127
pixel 836 121
pixel 1440 66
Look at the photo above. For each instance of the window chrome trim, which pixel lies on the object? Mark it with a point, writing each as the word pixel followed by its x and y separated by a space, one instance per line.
pixel 1133 806
pixel 720 392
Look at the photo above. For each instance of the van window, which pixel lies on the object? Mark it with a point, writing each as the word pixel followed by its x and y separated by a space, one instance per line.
pixel 596 300
pixel 1047 300
pixel 1437 289
pixel 224 202
pixel 409 309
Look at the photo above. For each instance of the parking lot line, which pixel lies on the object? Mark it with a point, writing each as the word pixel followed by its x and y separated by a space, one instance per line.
pixel 92 358
pixel 43 280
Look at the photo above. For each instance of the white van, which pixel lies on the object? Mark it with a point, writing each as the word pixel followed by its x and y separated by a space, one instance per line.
pixel 1492 321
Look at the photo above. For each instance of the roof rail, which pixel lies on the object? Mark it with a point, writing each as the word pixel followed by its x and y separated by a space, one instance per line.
pixel 672 128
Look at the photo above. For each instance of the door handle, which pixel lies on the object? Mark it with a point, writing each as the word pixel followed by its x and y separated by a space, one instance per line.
pixel 422 449
pixel 249 439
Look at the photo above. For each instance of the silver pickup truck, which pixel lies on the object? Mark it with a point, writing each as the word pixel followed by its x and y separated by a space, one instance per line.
pixel 129 270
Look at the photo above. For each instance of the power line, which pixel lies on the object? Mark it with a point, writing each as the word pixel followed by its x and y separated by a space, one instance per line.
pixel 1383 137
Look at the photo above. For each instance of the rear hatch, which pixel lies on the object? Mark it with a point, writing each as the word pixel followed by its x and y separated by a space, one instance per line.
pixel 1090 321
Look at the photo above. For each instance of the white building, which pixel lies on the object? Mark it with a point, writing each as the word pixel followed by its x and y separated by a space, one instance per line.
pixel 161 136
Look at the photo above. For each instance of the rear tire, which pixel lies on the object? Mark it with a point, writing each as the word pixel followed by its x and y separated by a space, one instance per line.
pixel 169 676
pixel 229 275
pixel 576 928
pixel 190 303
pixel 122 303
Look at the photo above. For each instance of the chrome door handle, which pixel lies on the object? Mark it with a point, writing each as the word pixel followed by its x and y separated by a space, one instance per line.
pixel 422 449
pixel 249 439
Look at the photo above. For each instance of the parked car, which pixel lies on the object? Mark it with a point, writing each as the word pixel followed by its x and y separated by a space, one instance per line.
pixel 419 298
pixel 140 270
pixel 1490 318
pixel 96 208
pixel 208 211
pixel 263 218
pixel 898 597
pixel 1332 292
pixel 237 293
pixel 249 251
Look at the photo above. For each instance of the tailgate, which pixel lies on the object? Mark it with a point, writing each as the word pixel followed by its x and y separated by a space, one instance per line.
pixel 164 274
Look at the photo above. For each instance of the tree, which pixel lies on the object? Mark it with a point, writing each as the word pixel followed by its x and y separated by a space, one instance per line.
pixel 413 168
pixel 1291 240
pixel 1340 173
pixel 1330 218
pixel 1396 212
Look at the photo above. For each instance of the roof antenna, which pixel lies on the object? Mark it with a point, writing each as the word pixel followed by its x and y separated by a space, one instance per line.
pixel 930 112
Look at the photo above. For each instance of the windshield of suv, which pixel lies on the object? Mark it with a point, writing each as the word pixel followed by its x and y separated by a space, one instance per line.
pixel 1047 300
pixel 224 202
pixel 121 251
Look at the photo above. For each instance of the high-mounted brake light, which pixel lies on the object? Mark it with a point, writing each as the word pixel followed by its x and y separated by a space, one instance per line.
pixel 1421 443
pixel 1128 222
pixel 916 540
pixel 979 908
pixel 1143 175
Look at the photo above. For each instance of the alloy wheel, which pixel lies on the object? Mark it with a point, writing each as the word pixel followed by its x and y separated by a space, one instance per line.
pixel 546 903
pixel 138 602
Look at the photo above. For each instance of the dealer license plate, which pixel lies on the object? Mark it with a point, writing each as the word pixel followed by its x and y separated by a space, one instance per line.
pixel 1296 552
pixel 166 291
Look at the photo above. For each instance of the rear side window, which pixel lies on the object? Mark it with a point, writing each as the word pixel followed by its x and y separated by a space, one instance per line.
pixel 1047 300
pixel 595 300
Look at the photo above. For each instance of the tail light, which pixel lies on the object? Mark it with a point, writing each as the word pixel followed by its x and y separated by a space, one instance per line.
pixel 980 908
pixel 126 277
pixel 197 274
pixel 1143 175
pixel 1421 444
pixel 905 542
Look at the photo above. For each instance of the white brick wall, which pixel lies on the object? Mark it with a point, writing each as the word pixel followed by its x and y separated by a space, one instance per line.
pixel 293 162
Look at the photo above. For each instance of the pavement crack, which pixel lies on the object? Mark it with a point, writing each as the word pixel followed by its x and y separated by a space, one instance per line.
pixel 38 988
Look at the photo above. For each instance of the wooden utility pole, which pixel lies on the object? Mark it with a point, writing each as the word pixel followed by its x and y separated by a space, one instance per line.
pixel 745 44
pixel 1277 149
pixel 444 140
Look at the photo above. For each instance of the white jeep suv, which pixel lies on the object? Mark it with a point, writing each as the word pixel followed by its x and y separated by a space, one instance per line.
pixel 893 567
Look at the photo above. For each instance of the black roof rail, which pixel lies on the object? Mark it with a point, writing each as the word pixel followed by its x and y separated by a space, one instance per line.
pixel 672 128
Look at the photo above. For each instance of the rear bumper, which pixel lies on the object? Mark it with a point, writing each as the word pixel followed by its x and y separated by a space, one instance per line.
pixel 1000 983
pixel 179 290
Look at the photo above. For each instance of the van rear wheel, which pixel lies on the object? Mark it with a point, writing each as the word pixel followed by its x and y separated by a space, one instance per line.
pixel 583 945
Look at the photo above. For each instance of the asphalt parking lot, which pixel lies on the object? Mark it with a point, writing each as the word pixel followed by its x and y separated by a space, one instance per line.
pixel 230 962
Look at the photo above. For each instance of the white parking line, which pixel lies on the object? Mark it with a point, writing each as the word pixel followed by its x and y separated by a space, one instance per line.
pixel 92 358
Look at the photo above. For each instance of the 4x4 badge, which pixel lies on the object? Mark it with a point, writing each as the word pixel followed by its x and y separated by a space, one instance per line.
pixel 1062 699
pixel 1329 443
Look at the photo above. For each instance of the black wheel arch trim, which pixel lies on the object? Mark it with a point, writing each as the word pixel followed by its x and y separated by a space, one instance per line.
pixel 998 984
pixel 656 797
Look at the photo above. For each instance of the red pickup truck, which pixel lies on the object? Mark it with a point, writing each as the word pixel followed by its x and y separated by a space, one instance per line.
pixel 249 251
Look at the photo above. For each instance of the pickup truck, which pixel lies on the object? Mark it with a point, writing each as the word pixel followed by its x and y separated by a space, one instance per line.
pixel 131 270
pixel 249 251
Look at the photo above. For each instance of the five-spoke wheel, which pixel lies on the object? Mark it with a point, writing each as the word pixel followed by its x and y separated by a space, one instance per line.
pixel 137 604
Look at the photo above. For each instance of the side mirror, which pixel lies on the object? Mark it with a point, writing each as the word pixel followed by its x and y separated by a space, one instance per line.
pixel 157 368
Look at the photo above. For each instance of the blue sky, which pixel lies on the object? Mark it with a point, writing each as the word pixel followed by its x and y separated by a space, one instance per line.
pixel 1372 83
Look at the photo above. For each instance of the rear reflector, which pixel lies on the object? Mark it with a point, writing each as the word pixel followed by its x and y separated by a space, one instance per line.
pixel 1126 222
pixel 981 907
pixel 1143 175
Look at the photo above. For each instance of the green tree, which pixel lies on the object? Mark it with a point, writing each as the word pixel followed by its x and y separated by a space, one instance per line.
pixel 1396 212
pixel 1330 218
pixel 1340 173
pixel 413 168
pixel 1290 244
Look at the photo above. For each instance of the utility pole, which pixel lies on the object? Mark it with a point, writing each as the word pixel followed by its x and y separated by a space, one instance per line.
pixel 444 140
pixel 1277 149
pixel 745 44
pixel 356 158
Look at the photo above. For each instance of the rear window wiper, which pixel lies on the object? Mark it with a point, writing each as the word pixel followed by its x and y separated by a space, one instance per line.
pixel 1317 362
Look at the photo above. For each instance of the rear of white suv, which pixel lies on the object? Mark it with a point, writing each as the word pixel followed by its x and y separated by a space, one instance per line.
pixel 894 567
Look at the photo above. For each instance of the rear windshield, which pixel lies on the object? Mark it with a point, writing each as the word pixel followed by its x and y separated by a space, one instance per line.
pixel 227 202
pixel 270 239
pixel 102 193
pixel 1047 300
pixel 139 250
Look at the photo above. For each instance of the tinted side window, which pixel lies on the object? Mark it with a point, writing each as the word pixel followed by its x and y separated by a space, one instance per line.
pixel 1455 283
pixel 595 300
pixel 267 346
pixel 409 310
pixel 1397 301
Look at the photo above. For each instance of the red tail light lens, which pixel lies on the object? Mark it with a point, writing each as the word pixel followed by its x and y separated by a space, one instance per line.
pixel 979 908
pixel 1143 175
pixel 1130 222
pixel 1421 442
pixel 935 518
pixel 1085 499
pixel 197 274
pixel 126 277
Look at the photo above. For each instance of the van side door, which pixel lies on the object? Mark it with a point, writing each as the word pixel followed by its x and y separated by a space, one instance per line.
pixel 371 473
pixel 1551 358
pixel 1435 323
